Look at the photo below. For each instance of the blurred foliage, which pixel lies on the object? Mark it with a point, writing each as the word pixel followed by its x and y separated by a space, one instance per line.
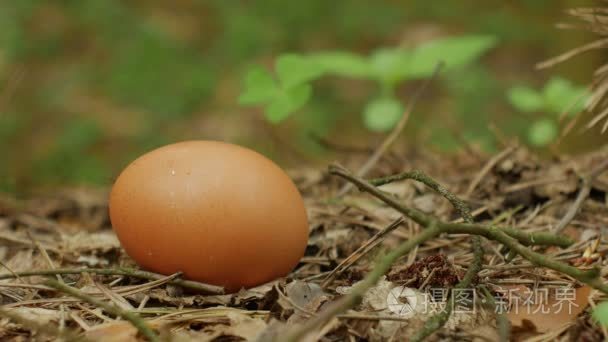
pixel 387 67
pixel 600 314
pixel 106 80
pixel 70 158
pixel 558 98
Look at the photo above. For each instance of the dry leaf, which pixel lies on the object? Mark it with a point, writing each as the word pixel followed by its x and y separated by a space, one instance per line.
pixel 568 185
pixel 375 298
pixel 244 326
pixel 240 325
pixel 113 332
pixel 303 293
pixel 38 315
pixel 92 260
pixel 547 316
pixel 102 241
pixel 302 297
pixel 427 203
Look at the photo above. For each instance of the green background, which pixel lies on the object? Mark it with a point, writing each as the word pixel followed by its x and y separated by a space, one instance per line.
pixel 86 86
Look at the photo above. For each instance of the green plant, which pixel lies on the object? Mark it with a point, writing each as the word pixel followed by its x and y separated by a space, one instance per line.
pixel 558 97
pixel 600 313
pixel 290 88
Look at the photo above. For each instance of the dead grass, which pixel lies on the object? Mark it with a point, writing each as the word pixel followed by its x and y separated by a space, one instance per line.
pixel 69 229
pixel 593 19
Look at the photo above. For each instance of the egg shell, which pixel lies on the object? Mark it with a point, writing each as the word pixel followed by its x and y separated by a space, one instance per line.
pixel 220 213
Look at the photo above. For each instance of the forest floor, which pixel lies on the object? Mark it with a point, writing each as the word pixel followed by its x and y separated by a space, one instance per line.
pixel 54 236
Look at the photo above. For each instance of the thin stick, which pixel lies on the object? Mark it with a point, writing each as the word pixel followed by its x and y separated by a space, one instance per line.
pixel 372 317
pixel 487 167
pixel 533 183
pixel 45 255
pixel 330 145
pixel 354 297
pixel 189 284
pixel 46 329
pixel 581 197
pixel 10 238
pixel 132 317
pixel 360 252
pixel 598 44
pixel 438 321
pixel 589 277
pixel 392 137
pixel 417 175
pixel 434 229
pixel 14 275
pixel 503 324
pixel 424 219
pixel 525 238
pixel 150 285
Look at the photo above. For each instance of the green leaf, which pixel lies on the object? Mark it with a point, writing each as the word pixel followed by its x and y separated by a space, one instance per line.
pixel 281 101
pixel 260 87
pixel 381 115
pixel 525 99
pixel 580 96
pixel 600 313
pixel 454 52
pixel 342 64
pixel 542 132
pixel 556 87
pixel 287 102
pixel 390 65
pixel 294 70
pixel 560 95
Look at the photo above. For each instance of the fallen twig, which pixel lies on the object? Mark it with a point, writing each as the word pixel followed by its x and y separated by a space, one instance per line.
pixel 434 228
pixel 589 277
pixel 360 252
pixel 189 284
pixel 356 293
pixel 439 320
pixel 14 275
pixel 423 219
pixel 581 197
pixel 487 167
pixel 46 329
pixel 460 205
pixel 44 254
pixel 132 317
pixel 598 44
pixel 503 324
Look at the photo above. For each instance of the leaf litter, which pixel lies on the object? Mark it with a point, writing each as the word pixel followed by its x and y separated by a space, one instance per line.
pixel 72 229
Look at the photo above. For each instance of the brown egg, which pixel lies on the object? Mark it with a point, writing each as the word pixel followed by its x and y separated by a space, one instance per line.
pixel 220 213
